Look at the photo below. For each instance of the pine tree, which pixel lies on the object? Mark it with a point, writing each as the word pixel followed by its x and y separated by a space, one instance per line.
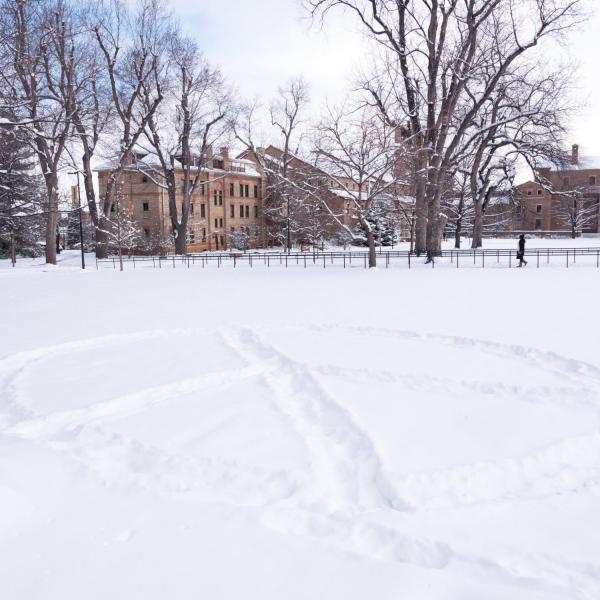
pixel 21 193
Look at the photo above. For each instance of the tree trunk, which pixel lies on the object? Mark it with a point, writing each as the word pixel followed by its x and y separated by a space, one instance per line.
pixel 458 232
pixel 372 252
pixel 180 241
pixel 13 249
pixel 434 231
pixel 102 237
pixel 52 219
pixel 420 224
pixel 477 240
pixel 88 186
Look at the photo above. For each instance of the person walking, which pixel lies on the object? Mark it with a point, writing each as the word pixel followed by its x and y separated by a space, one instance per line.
pixel 521 252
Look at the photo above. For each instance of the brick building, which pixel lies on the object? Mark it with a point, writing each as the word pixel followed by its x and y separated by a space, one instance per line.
pixel 225 210
pixel 563 199
pixel 338 193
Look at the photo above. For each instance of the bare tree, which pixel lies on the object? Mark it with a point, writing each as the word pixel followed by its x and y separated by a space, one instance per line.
pixel 91 106
pixel 286 114
pixel 443 61
pixel 130 45
pixel 37 61
pixel 356 149
pixel 576 212
pixel 184 129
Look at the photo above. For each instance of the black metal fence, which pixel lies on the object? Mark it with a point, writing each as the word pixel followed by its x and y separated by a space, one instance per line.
pixel 482 258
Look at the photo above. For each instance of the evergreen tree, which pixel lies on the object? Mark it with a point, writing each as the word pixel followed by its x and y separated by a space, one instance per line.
pixel 20 192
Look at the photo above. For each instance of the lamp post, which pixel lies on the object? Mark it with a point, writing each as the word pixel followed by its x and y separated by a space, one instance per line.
pixel 79 209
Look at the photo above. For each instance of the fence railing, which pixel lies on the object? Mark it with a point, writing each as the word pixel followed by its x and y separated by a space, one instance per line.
pixel 482 257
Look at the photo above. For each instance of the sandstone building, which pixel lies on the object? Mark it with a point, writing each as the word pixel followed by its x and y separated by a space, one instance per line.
pixel 225 210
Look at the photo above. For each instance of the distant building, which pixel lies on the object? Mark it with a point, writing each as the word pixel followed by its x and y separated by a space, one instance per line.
pixel 225 210
pixel 564 199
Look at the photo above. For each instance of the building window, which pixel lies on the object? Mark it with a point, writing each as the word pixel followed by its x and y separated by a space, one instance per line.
pixel 231 211
pixel 204 234
pixel 144 179
pixel 203 211
pixel 220 222
pixel 216 223
pixel 191 209
pixel 202 189
pixel 247 190
pixel 232 189
pixel 529 193
pixel 566 181
pixel 222 241
pixel 220 198
pixel 539 192
pixel 256 191
pixel 538 208
pixel 538 223
pixel 256 211
pixel 112 208
pixel 146 232
pixel 592 180
pixel 241 211
pixel 192 236
pixel 247 212
pixel 241 190
pixel 215 198
pixel 145 206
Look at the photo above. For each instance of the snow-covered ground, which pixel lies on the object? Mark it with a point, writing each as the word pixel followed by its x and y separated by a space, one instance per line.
pixel 299 434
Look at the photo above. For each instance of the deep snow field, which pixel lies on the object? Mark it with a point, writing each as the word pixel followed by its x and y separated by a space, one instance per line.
pixel 298 435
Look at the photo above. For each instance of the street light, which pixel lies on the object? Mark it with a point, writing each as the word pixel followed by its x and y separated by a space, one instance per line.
pixel 80 218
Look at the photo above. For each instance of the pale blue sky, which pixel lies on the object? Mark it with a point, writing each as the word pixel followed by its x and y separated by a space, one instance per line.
pixel 261 43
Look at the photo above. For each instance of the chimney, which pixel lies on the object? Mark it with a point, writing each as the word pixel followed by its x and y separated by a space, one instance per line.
pixel 224 151
pixel 575 154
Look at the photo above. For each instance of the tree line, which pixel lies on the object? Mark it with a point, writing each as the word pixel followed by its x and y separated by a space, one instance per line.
pixel 454 95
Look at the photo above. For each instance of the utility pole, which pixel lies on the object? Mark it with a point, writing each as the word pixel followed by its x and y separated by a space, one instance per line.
pixel 79 209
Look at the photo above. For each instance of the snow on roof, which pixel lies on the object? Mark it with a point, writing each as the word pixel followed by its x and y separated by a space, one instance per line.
pixel 151 164
pixel 586 162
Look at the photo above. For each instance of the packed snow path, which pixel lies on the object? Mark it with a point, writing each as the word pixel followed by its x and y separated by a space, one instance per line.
pixel 297 443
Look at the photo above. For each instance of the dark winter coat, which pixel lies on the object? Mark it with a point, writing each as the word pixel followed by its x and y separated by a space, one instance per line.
pixel 522 247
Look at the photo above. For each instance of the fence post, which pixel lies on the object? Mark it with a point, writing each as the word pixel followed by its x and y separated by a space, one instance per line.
pixel 234 261
pixel 408 259
pixel 365 260
pixel 305 261
pixel 483 259
pixel 538 259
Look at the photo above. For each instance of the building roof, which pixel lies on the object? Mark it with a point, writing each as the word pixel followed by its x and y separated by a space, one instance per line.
pixel 238 166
